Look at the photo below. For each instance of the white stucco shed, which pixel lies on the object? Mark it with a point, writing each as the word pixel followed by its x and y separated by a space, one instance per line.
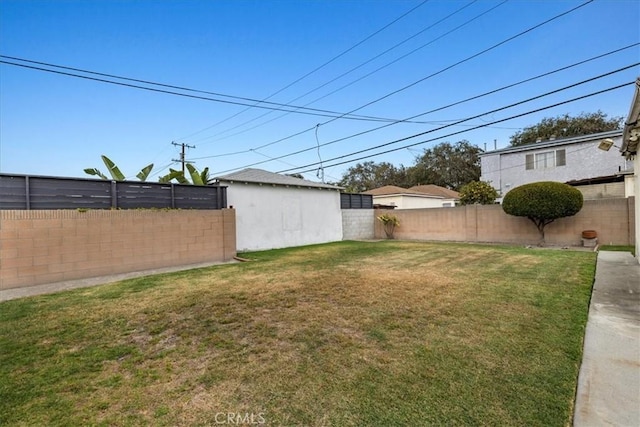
pixel 279 211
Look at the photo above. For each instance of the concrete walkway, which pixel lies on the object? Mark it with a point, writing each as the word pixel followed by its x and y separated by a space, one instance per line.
pixel 9 294
pixel 609 382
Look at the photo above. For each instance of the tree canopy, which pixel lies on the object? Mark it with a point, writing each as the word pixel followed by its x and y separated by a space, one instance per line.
pixel 565 126
pixel 368 175
pixel 447 165
pixel 478 193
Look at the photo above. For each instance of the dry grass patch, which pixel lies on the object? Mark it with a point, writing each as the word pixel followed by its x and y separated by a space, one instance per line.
pixel 387 333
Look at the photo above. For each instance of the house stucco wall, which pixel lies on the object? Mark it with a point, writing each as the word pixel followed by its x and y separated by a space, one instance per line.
pixel 507 169
pixel 269 217
pixel 405 201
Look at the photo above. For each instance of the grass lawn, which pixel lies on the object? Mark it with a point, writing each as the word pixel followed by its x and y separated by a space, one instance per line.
pixel 619 248
pixel 352 333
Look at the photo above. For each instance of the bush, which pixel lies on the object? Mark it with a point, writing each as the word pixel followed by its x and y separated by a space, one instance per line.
pixel 478 192
pixel 543 202
pixel 390 222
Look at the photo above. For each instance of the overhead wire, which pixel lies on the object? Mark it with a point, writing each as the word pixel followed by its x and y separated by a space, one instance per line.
pixel 477 127
pixel 486 50
pixel 462 120
pixel 350 71
pixel 505 107
pixel 314 70
pixel 284 107
pixel 475 97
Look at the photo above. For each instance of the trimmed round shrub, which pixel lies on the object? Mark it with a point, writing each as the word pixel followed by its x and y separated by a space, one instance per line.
pixel 543 202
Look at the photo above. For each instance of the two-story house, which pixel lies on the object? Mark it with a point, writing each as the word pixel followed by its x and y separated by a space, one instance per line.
pixel 576 160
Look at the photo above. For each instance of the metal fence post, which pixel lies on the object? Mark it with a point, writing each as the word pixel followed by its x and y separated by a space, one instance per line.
pixel 27 192
pixel 114 195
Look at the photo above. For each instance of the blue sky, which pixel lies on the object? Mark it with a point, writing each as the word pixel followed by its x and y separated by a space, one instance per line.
pixel 58 125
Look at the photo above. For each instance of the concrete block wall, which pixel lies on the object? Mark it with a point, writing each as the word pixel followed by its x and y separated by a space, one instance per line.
pixel 47 246
pixel 358 224
pixel 602 191
pixel 613 220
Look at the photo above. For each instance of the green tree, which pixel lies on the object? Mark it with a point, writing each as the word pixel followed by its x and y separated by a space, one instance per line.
pixel 543 202
pixel 115 172
pixel 478 192
pixel 368 175
pixel 447 165
pixel 565 126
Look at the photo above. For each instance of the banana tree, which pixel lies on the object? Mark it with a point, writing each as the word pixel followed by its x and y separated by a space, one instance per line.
pixel 115 172
pixel 197 178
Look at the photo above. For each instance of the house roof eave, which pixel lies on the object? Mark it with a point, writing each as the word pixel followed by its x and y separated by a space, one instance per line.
pixel 631 132
pixel 556 143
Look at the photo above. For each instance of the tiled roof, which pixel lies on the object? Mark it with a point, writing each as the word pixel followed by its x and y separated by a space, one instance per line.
pixel 393 189
pixel 259 176
pixel 436 190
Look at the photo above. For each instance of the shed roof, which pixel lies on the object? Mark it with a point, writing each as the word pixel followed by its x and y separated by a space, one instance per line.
pixel 389 190
pixel 260 176
pixel 436 190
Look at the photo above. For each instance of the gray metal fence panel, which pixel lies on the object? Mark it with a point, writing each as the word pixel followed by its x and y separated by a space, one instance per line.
pixel 22 192
pixel 13 194
pixel 133 195
pixel 47 193
pixel 356 201
pixel 194 197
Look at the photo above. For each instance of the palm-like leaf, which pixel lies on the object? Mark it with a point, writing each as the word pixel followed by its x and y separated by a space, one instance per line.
pixel 95 172
pixel 113 169
pixel 144 172
pixel 195 175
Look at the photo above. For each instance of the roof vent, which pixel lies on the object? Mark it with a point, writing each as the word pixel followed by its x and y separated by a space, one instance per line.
pixel 552 138
pixel 539 139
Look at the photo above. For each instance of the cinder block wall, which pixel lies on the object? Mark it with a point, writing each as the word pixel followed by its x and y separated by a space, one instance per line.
pixel 613 220
pixel 47 246
pixel 357 224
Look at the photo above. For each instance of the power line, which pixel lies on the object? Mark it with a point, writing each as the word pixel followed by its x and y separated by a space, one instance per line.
pixel 477 127
pixel 452 124
pixel 530 29
pixel 352 70
pixel 285 107
pixel 491 92
pixel 482 52
pixel 498 109
pixel 314 70
pixel 407 54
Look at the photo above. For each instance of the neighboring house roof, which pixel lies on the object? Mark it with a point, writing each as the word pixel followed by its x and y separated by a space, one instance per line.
pixel 555 143
pixel 599 179
pixel 436 190
pixel 259 176
pixel 389 190
pixel 631 135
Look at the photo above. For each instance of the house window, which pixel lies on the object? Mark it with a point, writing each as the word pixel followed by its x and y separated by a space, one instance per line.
pixel 546 160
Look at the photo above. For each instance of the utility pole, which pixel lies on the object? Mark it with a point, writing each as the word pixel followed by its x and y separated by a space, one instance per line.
pixel 182 160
